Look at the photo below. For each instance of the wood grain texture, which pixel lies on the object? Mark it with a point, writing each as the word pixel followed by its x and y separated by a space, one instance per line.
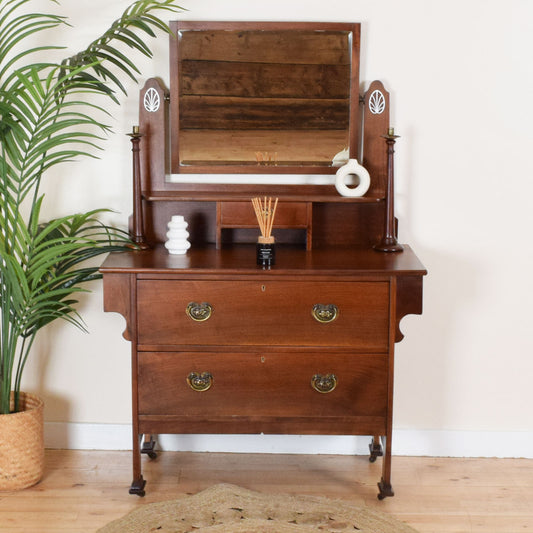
pixel 409 300
pixel 117 290
pixel 241 214
pixel 263 80
pixel 83 490
pixel 153 125
pixel 262 342
pixel 262 384
pixel 238 260
pixel 263 313
pixel 230 77
pixel 265 44
pixel 291 146
pixel 268 425
pixel 229 113
pixel 376 124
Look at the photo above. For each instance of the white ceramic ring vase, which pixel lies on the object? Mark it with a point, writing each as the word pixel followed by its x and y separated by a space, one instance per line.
pixel 352 168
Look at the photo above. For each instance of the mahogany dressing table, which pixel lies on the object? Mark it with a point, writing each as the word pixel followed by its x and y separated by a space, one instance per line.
pixel 220 344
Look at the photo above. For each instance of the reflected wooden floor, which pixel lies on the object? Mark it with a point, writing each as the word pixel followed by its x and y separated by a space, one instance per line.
pixel 83 490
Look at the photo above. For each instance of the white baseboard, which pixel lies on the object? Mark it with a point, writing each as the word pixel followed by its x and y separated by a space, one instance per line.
pixel 61 435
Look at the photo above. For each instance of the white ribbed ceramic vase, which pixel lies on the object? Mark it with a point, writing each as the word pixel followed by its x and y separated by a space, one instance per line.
pixel 177 236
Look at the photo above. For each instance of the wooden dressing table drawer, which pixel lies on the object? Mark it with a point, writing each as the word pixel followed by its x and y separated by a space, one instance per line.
pixel 256 385
pixel 241 214
pixel 273 313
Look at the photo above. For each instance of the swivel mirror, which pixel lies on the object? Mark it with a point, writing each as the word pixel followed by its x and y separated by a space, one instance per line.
pixel 263 97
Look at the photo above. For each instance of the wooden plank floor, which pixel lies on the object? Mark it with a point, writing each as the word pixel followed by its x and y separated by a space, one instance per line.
pixel 83 490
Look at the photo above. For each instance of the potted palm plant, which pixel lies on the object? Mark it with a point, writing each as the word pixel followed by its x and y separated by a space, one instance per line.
pixel 51 112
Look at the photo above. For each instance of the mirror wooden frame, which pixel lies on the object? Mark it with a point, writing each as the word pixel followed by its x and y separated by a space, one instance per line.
pixel 176 166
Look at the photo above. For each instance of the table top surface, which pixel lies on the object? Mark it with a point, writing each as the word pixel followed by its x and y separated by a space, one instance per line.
pixel 241 260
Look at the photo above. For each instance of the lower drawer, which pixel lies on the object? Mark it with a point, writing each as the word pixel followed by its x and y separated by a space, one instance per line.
pixel 262 385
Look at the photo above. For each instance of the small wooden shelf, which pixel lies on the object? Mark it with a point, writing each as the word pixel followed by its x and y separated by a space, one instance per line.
pixel 229 212
pixel 233 196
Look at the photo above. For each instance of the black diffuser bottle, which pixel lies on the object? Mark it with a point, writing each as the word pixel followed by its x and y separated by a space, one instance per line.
pixel 266 246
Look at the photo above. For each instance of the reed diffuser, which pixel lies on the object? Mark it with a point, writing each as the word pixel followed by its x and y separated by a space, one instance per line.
pixel 265 213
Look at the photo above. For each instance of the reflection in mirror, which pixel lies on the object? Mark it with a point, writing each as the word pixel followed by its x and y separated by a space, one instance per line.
pixel 257 98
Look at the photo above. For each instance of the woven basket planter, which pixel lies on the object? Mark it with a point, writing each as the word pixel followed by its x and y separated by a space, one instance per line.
pixel 22 445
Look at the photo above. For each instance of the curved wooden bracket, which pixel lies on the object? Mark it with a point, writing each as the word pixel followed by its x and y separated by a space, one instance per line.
pixel 408 300
pixel 117 291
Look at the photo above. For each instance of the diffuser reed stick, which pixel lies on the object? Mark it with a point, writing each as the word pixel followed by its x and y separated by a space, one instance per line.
pixel 265 214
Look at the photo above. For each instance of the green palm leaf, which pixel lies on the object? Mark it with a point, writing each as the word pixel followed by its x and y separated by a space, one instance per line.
pixel 48 116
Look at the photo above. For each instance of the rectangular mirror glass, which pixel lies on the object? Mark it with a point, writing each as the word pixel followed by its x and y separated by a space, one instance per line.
pixel 263 97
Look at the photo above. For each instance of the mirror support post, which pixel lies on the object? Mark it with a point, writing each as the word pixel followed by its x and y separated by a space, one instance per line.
pixel 388 242
pixel 138 226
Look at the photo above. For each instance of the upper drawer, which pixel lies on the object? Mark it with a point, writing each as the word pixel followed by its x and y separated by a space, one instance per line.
pixel 240 214
pixel 271 313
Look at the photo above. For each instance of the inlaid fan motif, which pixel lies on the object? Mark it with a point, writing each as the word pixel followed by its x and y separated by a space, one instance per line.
pixel 376 102
pixel 151 100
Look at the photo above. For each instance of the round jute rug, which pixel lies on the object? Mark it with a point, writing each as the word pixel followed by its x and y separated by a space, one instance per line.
pixel 232 509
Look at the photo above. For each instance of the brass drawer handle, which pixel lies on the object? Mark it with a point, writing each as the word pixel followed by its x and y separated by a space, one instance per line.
pixel 324 384
pixel 325 313
pixel 199 312
pixel 200 382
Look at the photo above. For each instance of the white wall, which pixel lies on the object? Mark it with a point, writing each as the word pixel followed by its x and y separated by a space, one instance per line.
pixel 461 79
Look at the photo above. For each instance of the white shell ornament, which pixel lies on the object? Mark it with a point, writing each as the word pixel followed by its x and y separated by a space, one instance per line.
pixel 352 168
pixel 151 100
pixel 376 102
pixel 177 235
pixel 341 158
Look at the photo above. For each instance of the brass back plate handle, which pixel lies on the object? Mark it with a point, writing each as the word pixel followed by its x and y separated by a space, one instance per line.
pixel 325 313
pixel 324 384
pixel 200 382
pixel 199 312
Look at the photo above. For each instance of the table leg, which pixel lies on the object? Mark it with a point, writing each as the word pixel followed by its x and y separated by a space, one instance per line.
pixel 385 487
pixel 138 483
